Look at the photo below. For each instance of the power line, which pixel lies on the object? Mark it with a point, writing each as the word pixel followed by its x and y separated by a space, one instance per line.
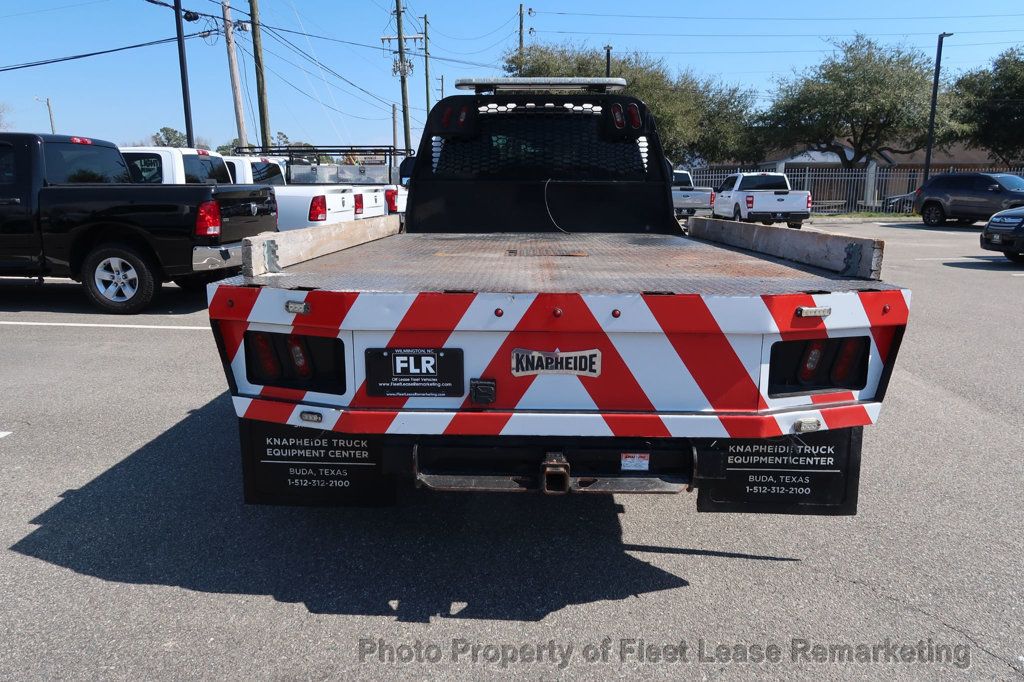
pixel 56 60
pixel 482 36
pixel 489 47
pixel 768 35
pixel 306 94
pixel 706 17
pixel 51 9
pixel 300 68
pixel 819 51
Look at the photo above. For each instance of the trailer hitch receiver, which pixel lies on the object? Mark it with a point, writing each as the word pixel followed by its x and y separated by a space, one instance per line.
pixel 554 474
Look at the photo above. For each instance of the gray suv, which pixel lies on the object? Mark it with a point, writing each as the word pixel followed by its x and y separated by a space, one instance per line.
pixel 967 197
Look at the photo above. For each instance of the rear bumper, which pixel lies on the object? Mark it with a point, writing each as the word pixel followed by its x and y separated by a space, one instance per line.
pixel 205 258
pixel 1011 242
pixel 779 216
pixel 811 474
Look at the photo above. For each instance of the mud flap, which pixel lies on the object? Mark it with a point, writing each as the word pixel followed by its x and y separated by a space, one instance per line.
pixel 297 466
pixel 816 473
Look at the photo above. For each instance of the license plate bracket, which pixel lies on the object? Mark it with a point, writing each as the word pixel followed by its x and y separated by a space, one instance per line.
pixel 411 372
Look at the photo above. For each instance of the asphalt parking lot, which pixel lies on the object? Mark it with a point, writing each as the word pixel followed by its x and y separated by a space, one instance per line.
pixel 125 551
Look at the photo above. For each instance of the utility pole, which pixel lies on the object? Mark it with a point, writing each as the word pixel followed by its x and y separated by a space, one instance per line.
pixel 183 67
pixel 442 85
pixel 402 69
pixel 394 125
pixel 261 86
pixel 236 91
pixel 608 61
pixel 935 99
pixel 426 60
pixel 520 55
pixel 49 108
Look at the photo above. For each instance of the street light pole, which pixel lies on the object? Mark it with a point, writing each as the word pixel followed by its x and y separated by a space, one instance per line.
pixel 183 67
pixel 49 108
pixel 935 100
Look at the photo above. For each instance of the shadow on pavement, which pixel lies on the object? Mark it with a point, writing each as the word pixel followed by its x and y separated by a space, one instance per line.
pixel 66 296
pixel 991 263
pixel 951 228
pixel 171 514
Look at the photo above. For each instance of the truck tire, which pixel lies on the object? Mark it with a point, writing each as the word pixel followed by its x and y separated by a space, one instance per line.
pixel 933 215
pixel 737 215
pixel 119 279
pixel 1015 257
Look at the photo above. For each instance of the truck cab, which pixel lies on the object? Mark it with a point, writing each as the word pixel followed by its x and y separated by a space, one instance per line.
pixel 176 166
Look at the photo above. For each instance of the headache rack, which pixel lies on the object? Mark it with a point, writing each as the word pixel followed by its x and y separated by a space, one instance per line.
pixel 386 158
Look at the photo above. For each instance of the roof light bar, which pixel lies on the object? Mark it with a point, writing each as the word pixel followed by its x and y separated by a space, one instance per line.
pixel 495 85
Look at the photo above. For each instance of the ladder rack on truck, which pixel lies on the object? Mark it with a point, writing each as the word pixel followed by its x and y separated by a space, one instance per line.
pixel 530 358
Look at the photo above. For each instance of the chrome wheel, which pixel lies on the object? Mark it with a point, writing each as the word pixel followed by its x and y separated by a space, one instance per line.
pixel 116 279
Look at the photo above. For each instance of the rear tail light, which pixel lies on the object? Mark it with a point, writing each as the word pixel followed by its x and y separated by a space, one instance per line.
pixel 318 209
pixel 391 196
pixel 807 366
pixel 618 118
pixel 359 204
pixel 633 111
pixel 750 202
pixel 712 198
pixel 299 355
pixel 208 219
pixel 267 365
pixel 811 362
pixel 446 117
pixel 846 361
pixel 203 152
pixel 918 191
pixel 80 140
pixel 808 201
pixel 295 361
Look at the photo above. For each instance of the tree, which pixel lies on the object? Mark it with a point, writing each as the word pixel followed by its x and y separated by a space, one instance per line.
pixel 865 100
pixel 697 118
pixel 989 105
pixel 169 137
pixel 228 148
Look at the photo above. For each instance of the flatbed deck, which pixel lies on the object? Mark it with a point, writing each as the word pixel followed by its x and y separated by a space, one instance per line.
pixel 556 263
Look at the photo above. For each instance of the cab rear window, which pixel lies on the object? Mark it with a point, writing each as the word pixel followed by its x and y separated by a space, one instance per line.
pixel 763 182
pixel 68 163
pixel 203 169
pixel 267 173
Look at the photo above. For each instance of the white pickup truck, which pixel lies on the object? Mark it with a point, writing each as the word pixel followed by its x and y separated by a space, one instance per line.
pixel 687 199
pixel 761 197
pixel 368 190
pixel 298 206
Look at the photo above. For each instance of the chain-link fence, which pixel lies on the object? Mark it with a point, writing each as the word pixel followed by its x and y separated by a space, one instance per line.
pixel 850 190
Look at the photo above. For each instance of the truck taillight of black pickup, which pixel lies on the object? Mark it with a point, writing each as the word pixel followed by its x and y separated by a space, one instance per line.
pixel 363 358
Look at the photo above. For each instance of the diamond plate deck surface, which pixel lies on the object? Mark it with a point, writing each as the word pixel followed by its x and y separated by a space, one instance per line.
pixel 583 263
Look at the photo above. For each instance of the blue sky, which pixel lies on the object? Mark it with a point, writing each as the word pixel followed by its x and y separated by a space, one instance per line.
pixel 126 96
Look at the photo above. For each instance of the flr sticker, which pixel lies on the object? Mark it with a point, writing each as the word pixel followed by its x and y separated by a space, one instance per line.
pixel 635 461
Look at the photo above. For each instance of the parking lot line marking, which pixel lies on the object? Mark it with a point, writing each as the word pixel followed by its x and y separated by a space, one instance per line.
pixel 4 434
pixel 103 326
pixel 1018 275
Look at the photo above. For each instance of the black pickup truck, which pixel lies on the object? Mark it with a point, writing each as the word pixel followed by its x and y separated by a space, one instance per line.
pixel 68 208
